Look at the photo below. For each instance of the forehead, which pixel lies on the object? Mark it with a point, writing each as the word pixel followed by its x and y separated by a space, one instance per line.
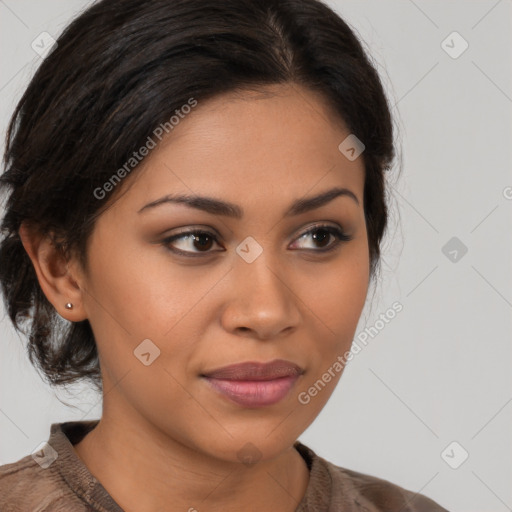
pixel 280 141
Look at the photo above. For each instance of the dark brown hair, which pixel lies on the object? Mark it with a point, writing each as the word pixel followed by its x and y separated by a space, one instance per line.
pixel 121 69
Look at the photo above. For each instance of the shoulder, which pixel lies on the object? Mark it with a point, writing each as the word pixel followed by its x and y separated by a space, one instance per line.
pixel 336 488
pixel 380 494
pixel 26 486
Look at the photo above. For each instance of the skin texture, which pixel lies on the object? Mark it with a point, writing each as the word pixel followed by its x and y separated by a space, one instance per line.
pixel 165 437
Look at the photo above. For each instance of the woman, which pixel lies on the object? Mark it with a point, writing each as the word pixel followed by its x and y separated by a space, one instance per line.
pixel 195 203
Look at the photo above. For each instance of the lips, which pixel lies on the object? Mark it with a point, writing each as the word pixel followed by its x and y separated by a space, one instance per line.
pixel 253 384
pixel 256 371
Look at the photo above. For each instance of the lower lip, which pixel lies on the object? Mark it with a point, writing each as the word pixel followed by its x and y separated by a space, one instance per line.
pixel 254 393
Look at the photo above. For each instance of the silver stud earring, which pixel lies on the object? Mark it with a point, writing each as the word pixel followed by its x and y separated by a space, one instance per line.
pixel 69 305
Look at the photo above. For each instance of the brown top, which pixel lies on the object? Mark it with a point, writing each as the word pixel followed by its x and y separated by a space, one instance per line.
pixel 43 483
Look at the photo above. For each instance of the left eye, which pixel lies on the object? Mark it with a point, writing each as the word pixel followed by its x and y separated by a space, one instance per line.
pixel 322 234
pixel 203 240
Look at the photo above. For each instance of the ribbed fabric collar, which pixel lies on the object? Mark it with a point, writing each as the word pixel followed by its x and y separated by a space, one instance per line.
pixel 73 470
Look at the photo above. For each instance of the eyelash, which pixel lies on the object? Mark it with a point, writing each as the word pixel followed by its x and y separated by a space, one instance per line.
pixel 340 235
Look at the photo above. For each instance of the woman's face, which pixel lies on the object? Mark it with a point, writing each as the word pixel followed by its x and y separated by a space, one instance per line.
pixel 260 286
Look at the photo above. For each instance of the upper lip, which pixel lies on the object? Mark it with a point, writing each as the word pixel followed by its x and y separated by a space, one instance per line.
pixel 252 370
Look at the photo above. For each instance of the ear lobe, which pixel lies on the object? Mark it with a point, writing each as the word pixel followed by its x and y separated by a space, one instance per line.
pixel 52 270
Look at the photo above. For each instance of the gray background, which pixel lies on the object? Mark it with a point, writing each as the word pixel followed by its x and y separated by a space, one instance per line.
pixel 440 371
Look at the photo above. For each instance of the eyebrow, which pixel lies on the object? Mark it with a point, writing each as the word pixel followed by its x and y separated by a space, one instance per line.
pixel 227 209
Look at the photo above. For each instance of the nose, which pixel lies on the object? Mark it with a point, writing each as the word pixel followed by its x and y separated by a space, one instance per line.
pixel 262 303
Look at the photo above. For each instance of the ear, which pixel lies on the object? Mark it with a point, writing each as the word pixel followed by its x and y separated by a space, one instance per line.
pixel 53 273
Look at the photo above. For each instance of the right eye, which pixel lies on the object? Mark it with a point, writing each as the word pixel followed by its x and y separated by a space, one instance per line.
pixel 198 239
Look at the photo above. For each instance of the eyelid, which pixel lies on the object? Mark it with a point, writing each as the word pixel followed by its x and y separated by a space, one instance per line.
pixel 320 225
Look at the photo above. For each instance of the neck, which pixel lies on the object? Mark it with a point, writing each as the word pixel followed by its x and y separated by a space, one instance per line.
pixel 142 468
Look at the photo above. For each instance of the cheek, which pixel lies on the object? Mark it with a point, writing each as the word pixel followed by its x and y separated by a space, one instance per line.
pixel 337 295
pixel 136 291
pixel 133 299
pixel 140 294
pixel 336 308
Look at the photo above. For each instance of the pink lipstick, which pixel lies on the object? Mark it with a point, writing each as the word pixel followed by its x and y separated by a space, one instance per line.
pixel 253 384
